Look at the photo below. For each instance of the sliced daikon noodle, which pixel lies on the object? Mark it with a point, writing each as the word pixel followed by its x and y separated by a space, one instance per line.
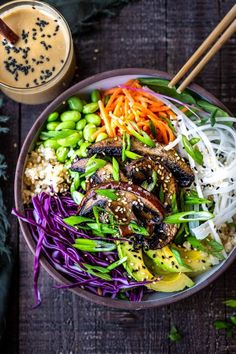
pixel 216 178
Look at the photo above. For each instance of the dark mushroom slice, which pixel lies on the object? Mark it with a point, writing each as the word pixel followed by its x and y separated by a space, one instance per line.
pixel 79 165
pixel 107 147
pixel 128 193
pixel 170 158
pixel 141 170
pixel 133 204
pixel 104 174
pixel 163 234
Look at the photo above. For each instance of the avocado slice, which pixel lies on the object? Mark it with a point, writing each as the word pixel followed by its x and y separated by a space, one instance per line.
pixel 136 267
pixel 199 261
pixel 166 260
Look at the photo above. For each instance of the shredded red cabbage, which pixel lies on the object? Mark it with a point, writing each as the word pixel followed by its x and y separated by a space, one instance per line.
pixel 54 240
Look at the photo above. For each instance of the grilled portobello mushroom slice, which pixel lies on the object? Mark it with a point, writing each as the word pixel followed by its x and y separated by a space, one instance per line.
pixel 169 158
pixel 141 170
pixel 133 204
pixel 103 174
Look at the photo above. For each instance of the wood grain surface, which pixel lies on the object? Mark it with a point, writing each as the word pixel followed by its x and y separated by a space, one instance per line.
pixel 157 34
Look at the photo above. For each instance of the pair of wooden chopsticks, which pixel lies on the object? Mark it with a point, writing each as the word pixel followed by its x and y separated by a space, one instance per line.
pixel 225 29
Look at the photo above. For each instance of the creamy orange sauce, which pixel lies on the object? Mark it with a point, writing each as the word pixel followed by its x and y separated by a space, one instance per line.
pixel 41 51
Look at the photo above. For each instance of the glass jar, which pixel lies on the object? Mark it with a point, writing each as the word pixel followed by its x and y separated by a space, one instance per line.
pixel 50 83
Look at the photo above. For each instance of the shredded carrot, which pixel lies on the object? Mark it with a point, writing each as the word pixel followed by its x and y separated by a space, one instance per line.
pixel 129 104
pixel 105 118
pixel 98 131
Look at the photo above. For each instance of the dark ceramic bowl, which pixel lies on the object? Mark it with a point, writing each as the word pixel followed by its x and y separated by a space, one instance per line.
pixel 103 81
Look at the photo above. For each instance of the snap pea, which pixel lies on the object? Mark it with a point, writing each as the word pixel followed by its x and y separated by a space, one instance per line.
pixel 90 108
pixel 51 143
pixel 62 153
pixel 93 118
pixel 101 137
pixel 69 124
pixel 53 116
pixel 88 132
pixel 75 103
pixel 83 149
pixel 81 124
pixel 70 141
pixel 95 96
pixel 83 185
pixel 70 115
pixel 52 125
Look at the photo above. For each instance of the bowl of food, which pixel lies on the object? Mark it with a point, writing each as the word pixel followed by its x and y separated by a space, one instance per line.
pixel 125 190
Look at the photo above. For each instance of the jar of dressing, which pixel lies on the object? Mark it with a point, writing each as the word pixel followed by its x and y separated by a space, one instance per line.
pixel 41 64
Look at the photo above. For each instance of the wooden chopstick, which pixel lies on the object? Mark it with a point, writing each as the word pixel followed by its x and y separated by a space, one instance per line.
pixel 225 22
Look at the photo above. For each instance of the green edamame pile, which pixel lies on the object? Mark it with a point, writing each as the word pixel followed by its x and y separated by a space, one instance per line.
pixel 71 132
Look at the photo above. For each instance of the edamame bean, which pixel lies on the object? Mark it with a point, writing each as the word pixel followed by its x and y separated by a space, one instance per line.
pixel 81 124
pixel 62 153
pixel 53 116
pixel 83 148
pixel 70 115
pixel 101 137
pixel 95 96
pixel 75 103
pixel 70 141
pixel 83 185
pixel 52 125
pixel 88 132
pixel 90 108
pixel 80 142
pixel 51 143
pixel 69 124
pixel 93 118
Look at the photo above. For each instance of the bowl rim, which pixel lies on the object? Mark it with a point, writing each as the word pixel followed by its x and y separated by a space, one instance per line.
pixel 121 304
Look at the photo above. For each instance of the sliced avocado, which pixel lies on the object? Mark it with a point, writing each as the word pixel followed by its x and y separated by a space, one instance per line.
pixel 166 260
pixel 136 267
pixel 198 260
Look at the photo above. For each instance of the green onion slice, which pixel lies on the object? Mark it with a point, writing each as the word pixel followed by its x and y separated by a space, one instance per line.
pixel 187 216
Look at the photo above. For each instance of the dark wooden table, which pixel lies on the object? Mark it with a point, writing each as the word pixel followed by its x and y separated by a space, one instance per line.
pixel 156 34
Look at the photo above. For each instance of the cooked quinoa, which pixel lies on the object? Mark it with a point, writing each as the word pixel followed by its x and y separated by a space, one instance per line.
pixel 44 173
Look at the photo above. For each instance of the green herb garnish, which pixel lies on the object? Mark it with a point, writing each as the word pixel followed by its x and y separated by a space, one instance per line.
pixel 115 169
pixel 108 193
pixel 192 151
pixel 187 216
pixel 230 303
pixel 117 263
pixel 137 229
pixel 174 334
pixel 89 245
pixel 76 219
pixel 93 165
pixel 152 128
pixel 194 141
pixel 132 155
